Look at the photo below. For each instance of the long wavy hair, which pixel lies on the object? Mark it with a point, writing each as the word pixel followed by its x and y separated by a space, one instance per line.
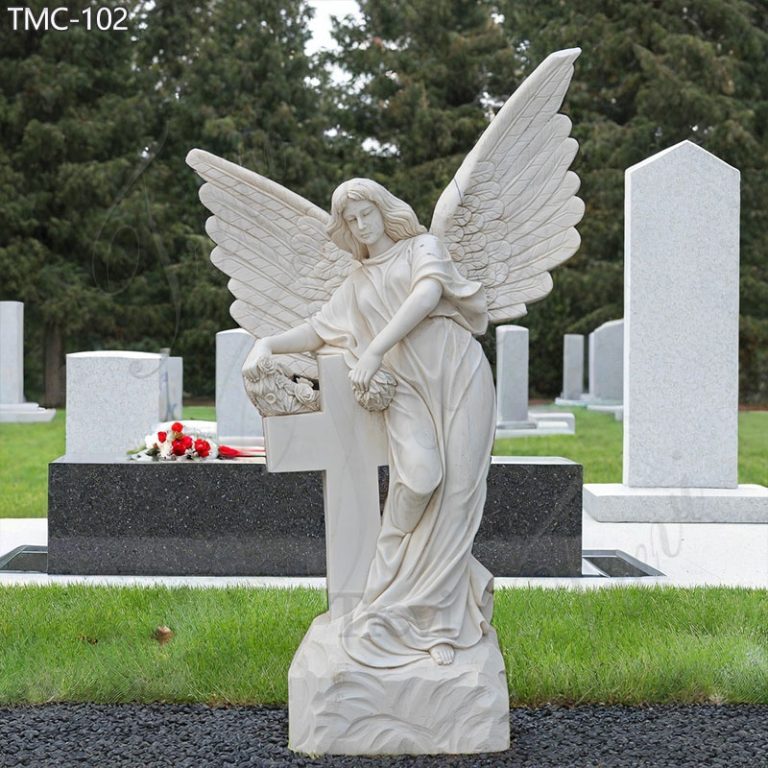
pixel 400 222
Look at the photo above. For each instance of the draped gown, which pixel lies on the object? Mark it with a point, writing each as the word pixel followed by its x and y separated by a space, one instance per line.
pixel 424 586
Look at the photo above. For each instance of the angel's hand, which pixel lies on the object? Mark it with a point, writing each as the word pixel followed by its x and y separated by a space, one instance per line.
pixel 260 349
pixel 366 367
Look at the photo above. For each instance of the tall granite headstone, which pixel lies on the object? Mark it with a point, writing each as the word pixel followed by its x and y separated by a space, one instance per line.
pixel 238 421
pixel 573 366
pixel 512 378
pixel 682 332
pixel 606 363
pixel 13 407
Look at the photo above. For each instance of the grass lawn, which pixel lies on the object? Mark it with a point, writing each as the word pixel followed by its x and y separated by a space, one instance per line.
pixel 631 645
pixel 26 450
pixel 597 445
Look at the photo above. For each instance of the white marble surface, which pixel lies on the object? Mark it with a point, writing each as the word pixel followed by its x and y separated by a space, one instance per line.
pixel 113 399
pixel 354 446
pixel 573 366
pixel 681 302
pixel 239 423
pixel 606 364
pixel 512 378
pixel 421 708
pixel 13 407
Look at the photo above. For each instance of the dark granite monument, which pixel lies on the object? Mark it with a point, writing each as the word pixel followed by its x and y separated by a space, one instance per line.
pixel 219 518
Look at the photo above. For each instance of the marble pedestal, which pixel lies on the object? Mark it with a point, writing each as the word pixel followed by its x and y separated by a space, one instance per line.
pixel 541 424
pixel 337 706
pixel 617 503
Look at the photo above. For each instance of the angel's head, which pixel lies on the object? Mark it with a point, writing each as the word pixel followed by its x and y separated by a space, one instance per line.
pixel 398 218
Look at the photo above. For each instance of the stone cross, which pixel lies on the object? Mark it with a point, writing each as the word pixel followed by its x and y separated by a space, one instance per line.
pixel 348 444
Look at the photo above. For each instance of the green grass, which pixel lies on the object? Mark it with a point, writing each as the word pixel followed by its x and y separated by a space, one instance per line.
pixel 26 450
pixel 631 645
pixel 597 445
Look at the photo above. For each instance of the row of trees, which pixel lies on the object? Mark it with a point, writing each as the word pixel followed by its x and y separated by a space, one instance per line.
pixel 101 232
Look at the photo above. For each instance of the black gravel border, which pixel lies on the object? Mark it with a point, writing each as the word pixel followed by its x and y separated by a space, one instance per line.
pixel 195 735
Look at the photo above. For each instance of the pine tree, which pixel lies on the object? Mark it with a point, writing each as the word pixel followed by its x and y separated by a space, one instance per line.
pixel 72 136
pixel 241 86
pixel 652 75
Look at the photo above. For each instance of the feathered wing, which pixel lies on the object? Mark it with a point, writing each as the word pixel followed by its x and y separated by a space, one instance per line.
pixel 509 214
pixel 273 245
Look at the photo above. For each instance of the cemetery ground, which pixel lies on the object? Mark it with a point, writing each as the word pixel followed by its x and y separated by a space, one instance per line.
pixel 234 645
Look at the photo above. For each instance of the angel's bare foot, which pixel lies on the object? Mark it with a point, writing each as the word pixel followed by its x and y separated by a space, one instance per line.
pixel 442 653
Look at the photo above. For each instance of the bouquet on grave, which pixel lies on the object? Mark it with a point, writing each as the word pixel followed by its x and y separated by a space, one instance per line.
pixel 175 444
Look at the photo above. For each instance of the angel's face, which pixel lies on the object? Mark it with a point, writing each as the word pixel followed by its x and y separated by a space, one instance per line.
pixel 365 221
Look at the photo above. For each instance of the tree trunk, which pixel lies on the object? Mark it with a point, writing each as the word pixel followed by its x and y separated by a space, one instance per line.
pixel 55 388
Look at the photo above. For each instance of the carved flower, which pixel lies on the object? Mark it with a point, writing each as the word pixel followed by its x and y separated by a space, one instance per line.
pixel 304 393
pixel 380 392
pixel 267 364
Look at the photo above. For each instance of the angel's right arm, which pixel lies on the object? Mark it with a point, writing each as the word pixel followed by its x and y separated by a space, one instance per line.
pixel 300 339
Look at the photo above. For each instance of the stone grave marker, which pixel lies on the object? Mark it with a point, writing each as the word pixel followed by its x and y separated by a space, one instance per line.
pixel 238 421
pixel 113 399
pixel 513 419
pixel 606 364
pixel 682 331
pixel 171 387
pixel 13 406
pixel 573 368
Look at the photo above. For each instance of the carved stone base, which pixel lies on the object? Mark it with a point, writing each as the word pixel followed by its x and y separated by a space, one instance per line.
pixel 337 706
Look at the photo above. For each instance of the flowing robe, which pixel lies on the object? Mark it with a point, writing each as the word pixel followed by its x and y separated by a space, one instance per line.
pixel 424 586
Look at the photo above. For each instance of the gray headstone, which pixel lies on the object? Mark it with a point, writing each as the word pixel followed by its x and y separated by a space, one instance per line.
pixel 11 352
pixel 512 377
pixel 606 363
pixel 112 402
pixel 171 383
pixel 682 313
pixel 13 407
pixel 175 387
pixel 238 421
pixel 573 366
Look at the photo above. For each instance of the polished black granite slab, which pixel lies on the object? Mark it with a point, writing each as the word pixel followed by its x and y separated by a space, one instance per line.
pixel 223 518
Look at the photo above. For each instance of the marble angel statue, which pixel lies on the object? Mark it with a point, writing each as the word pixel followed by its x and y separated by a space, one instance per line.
pixel 404 305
